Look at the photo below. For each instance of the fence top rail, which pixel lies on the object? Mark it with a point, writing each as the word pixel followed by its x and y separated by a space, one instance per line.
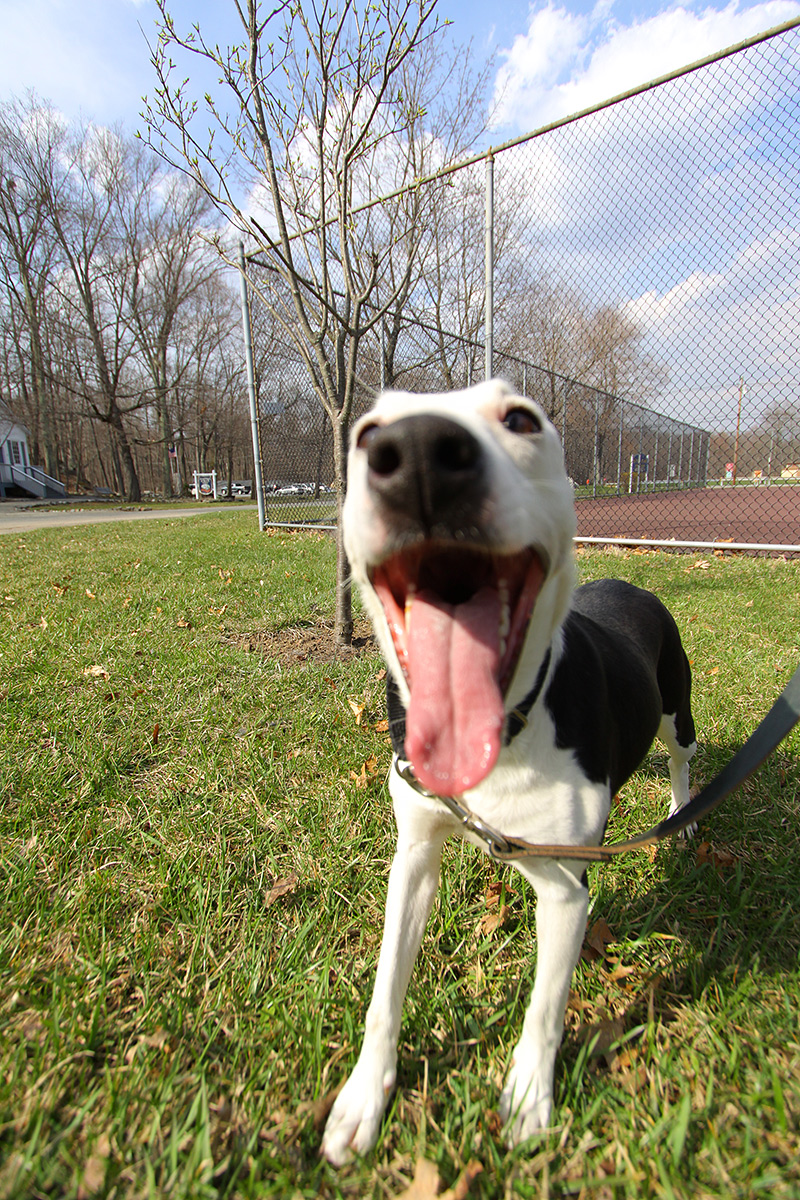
pixel 571 118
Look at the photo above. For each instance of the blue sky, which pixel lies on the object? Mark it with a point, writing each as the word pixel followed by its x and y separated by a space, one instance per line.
pixel 90 58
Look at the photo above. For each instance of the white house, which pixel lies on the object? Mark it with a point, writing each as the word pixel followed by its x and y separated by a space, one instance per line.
pixel 17 474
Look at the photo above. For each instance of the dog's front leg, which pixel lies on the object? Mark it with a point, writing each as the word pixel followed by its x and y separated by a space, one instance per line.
pixel 561 910
pixel 355 1117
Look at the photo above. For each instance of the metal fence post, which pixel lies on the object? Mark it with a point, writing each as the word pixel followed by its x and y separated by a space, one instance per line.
pixel 655 457
pixel 489 266
pixel 251 393
pixel 596 452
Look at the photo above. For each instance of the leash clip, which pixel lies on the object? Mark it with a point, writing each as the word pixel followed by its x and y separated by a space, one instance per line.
pixel 497 846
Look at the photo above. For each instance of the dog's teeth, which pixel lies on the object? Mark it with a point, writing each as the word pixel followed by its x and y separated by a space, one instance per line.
pixel 410 595
pixel 505 613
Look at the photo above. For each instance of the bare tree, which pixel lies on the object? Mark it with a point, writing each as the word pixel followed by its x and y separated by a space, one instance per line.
pixel 318 110
pixel 778 433
pixel 554 328
pixel 170 264
pixel 209 389
pixel 29 136
pixel 82 188
pixel 437 276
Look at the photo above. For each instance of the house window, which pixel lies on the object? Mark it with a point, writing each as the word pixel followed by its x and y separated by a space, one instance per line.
pixel 16 456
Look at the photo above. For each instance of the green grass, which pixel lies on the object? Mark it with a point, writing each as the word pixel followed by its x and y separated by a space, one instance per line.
pixel 194 841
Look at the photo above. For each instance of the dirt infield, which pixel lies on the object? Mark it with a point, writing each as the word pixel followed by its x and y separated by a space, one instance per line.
pixel 761 515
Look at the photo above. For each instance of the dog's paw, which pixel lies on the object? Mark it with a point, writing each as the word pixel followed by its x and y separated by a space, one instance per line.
pixel 526 1101
pixel 355 1118
pixel 683 834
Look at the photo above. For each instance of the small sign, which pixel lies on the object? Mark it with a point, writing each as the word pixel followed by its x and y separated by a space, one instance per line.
pixel 205 485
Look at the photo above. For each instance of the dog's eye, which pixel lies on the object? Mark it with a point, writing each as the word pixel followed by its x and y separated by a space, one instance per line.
pixel 522 420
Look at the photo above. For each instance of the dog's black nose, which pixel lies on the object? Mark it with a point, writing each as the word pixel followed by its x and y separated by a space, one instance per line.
pixel 427 467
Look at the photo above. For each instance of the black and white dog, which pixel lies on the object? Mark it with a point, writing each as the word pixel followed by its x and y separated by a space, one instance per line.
pixel 531 700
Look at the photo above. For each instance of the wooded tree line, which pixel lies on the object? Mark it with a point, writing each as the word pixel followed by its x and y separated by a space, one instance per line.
pixel 121 332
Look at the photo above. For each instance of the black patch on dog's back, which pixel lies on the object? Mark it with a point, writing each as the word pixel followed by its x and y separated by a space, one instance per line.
pixel 623 666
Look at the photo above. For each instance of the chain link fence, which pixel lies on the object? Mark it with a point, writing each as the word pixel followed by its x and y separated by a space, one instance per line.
pixel 645 290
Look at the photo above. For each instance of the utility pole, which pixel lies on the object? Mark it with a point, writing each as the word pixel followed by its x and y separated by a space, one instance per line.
pixel 489 268
pixel 738 424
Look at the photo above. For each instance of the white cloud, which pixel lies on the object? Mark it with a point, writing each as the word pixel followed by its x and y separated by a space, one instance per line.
pixel 566 62
pixel 669 312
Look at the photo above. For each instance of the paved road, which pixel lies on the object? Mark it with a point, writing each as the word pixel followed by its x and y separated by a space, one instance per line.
pixel 19 516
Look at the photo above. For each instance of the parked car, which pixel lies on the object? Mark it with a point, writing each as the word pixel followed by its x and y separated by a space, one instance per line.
pixel 241 488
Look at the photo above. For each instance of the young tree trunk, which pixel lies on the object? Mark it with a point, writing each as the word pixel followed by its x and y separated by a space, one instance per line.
pixel 127 466
pixel 165 434
pixel 343 618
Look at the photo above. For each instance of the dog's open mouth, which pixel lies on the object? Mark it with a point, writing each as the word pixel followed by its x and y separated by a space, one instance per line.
pixel 458 618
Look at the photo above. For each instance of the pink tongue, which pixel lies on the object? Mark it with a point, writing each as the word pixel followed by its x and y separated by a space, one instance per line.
pixel 455 715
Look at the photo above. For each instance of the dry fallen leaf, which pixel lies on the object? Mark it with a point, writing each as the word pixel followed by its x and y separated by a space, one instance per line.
pixel 357 708
pixel 598 937
pixel 721 859
pixel 621 972
pixel 281 887
pixel 94 1173
pixel 460 1189
pixel 368 771
pixel 494 891
pixel 602 1035
pixel 96 672
pixel 425 1184
pixel 150 1041
pixel 494 920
